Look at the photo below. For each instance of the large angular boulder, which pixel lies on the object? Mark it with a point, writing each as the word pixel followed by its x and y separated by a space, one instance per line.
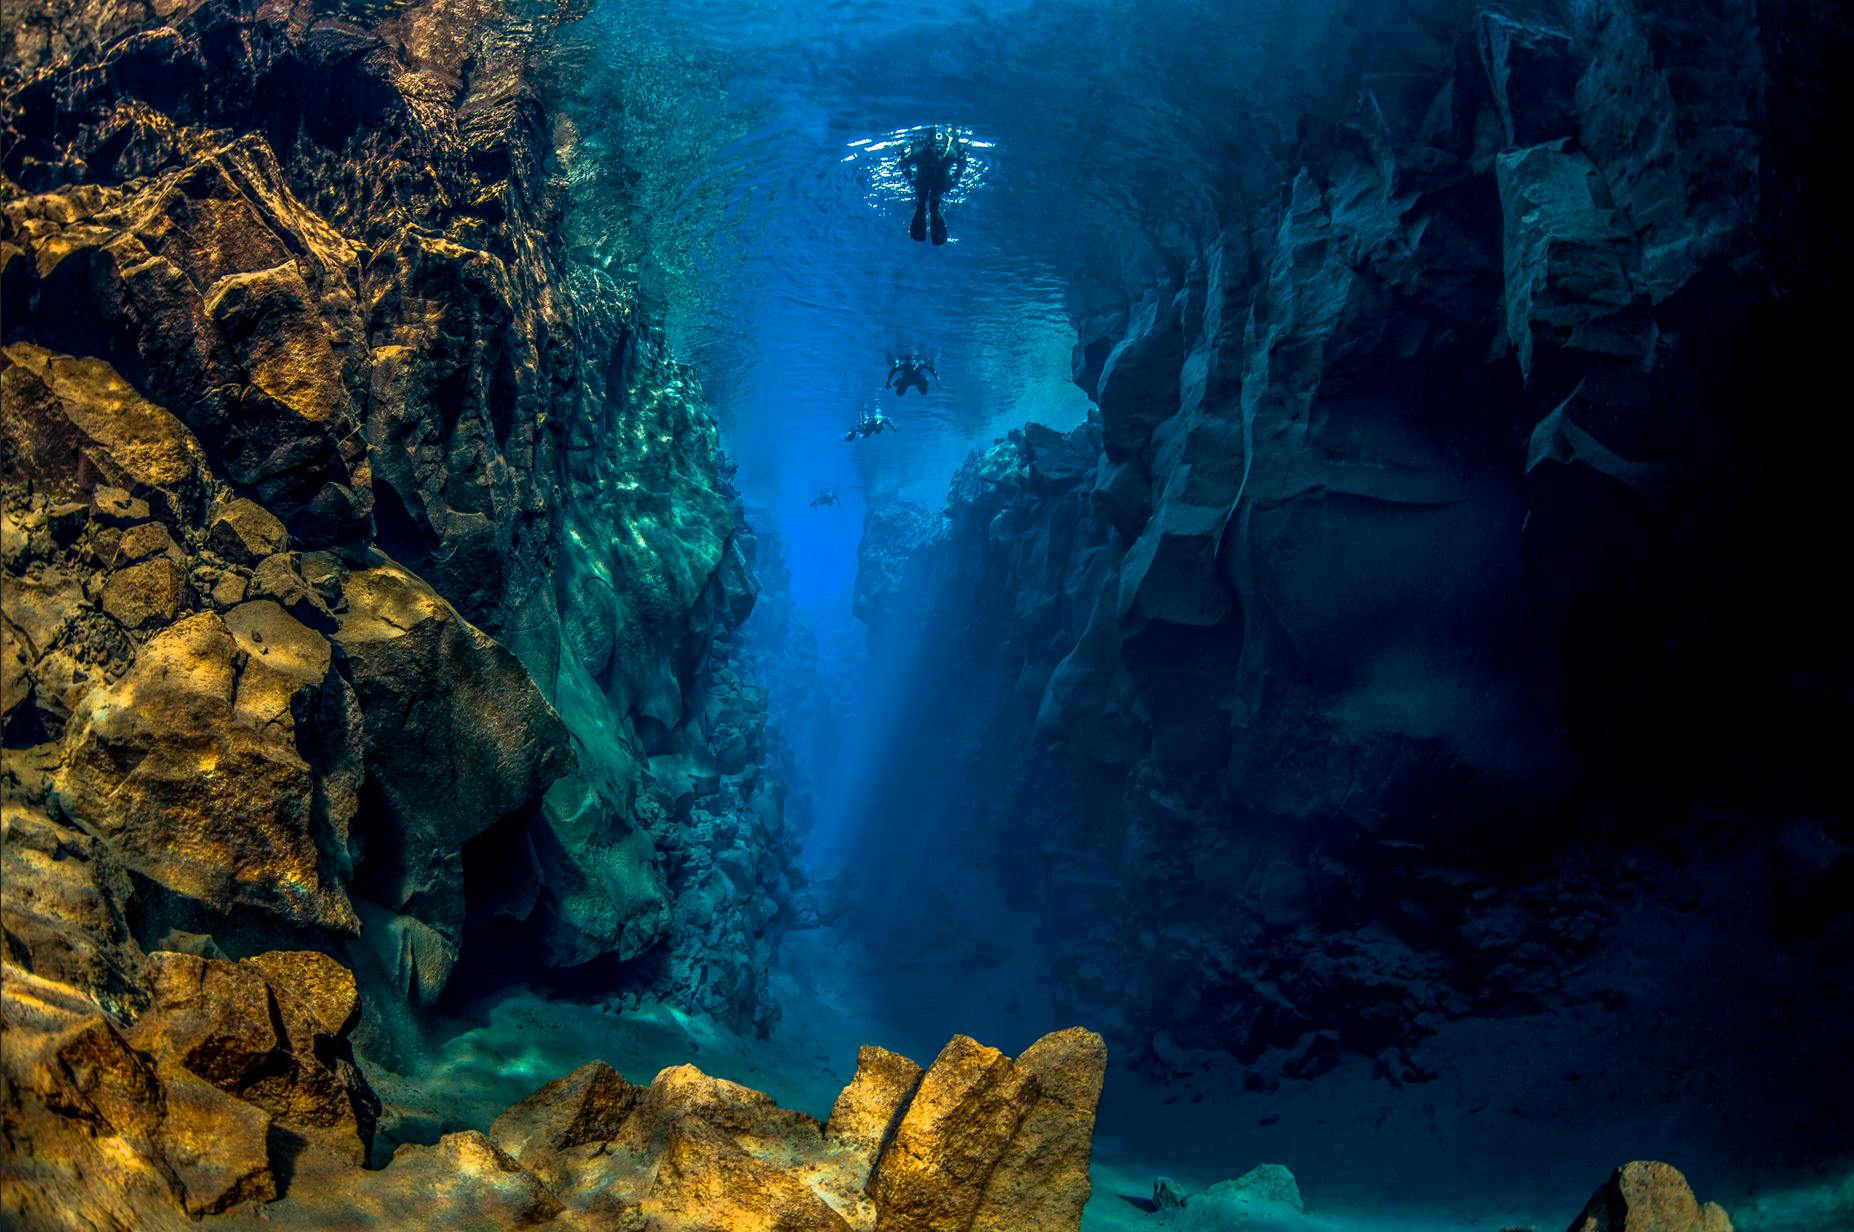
pixel 991 1143
pixel 192 766
pixel 1646 1196
pixel 271 1030
pixel 101 1134
pixel 72 425
pixel 868 1110
pixel 705 1179
pixel 457 737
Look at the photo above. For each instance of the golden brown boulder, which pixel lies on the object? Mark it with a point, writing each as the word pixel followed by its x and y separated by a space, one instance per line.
pixel 989 1143
pixel 217 1146
pixel 750 1118
pixel 270 315
pixel 463 1181
pixel 932 1175
pixel 144 594
pixel 270 1031
pixel 191 766
pixel 144 540
pixel 99 1134
pixel 322 987
pixel 61 896
pixel 244 532
pixel 567 1123
pixel 867 1111
pixel 71 424
pixel 214 1018
pixel 1041 1178
pixel 587 1106
pixel 276 577
pixel 706 1182
pixel 1649 1197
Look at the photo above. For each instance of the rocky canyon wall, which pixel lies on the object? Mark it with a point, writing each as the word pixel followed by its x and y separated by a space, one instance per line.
pixel 1436 604
pixel 370 570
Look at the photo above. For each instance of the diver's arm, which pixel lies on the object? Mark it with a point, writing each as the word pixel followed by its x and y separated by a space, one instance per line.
pixel 890 379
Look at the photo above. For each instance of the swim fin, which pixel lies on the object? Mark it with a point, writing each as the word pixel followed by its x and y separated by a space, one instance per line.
pixel 918 228
pixel 939 229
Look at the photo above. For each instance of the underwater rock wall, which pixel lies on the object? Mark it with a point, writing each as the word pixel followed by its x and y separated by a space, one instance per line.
pixel 369 567
pixel 1441 541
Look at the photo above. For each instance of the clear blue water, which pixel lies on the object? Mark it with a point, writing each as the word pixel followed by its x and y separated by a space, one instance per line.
pixel 1106 139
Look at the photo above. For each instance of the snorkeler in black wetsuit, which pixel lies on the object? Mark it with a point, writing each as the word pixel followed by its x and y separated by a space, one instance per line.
pixel 910 370
pixel 871 423
pixel 932 165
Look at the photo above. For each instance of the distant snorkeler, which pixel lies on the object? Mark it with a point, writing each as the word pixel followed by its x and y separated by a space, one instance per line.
pixel 827 496
pixel 934 161
pixel 870 423
pixel 910 371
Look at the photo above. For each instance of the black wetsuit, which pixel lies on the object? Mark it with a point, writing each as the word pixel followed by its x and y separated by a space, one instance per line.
pixel 909 373
pixel 873 426
pixel 932 171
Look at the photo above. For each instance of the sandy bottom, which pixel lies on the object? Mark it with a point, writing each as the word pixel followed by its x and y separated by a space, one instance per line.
pixel 1490 1144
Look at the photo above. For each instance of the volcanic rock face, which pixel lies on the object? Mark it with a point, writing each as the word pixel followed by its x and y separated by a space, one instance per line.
pixel 369 570
pixel 1420 534
pixel 369 578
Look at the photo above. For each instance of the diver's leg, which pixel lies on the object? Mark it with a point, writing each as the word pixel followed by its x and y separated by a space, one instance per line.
pixel 918 228
pixel 939 222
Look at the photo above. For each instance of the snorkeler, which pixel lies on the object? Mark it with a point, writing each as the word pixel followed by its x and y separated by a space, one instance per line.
pixel 827 496
pixel 934 161
pixel 871 423
pixel 912 371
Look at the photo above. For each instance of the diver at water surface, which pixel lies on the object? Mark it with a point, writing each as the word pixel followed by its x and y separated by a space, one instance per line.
pixel 910 370
pixel 870 423
pixel 933 163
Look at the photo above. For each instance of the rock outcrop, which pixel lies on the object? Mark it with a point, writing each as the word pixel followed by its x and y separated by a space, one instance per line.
pixel 235 1090
pixel 1419 560
pixel 1645 1195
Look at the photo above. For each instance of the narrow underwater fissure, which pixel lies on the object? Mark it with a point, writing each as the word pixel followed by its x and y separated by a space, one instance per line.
pixel 1337 594
pixel 1312 706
